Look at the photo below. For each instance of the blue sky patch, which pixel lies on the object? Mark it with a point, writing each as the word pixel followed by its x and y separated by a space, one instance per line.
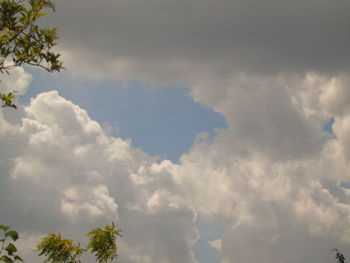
pixel 328 127
pixel 160 121
pixel 208 232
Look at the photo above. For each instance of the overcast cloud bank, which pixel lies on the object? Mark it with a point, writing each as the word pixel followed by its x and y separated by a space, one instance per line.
pixel 172 41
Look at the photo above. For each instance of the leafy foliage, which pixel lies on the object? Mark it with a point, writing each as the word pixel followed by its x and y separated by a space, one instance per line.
pixel 7 100
pixel 22 41
pixel 339 256
pixel 7 248
pixel 57 249
pixel 103 243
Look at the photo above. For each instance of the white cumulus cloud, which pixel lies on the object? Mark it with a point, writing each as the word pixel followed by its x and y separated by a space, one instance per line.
pixel 271 180
pixel 62 173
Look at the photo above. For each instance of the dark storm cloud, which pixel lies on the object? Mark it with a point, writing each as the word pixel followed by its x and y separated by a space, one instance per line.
pixel 255 36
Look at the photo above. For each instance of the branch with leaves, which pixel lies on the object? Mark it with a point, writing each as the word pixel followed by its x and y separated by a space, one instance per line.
pixel 57 249
pixel 102 245
pixel 22 41
pixel 8 249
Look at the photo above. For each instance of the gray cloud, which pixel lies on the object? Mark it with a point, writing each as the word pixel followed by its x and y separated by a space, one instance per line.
pixel 267 115
pixel 182 40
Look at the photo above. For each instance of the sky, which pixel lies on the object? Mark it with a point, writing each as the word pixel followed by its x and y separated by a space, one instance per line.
pixel 209 131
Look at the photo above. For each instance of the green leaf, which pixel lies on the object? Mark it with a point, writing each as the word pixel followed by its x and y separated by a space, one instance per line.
pixel 11 96
pixel 6 259
pixel 41 14
pixel 18 258
pixel 4 228
pixel 11 249
pixel 13 234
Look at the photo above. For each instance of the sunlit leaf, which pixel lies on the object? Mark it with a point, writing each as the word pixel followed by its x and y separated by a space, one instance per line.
pixel 41 14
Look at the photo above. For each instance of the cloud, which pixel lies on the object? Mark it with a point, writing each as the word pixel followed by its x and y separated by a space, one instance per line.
pixel 18 80
pixel 216 244
pixel 94 201
pixel 275 116
pixel 185 41
pixel 271 179
pixel 62 173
